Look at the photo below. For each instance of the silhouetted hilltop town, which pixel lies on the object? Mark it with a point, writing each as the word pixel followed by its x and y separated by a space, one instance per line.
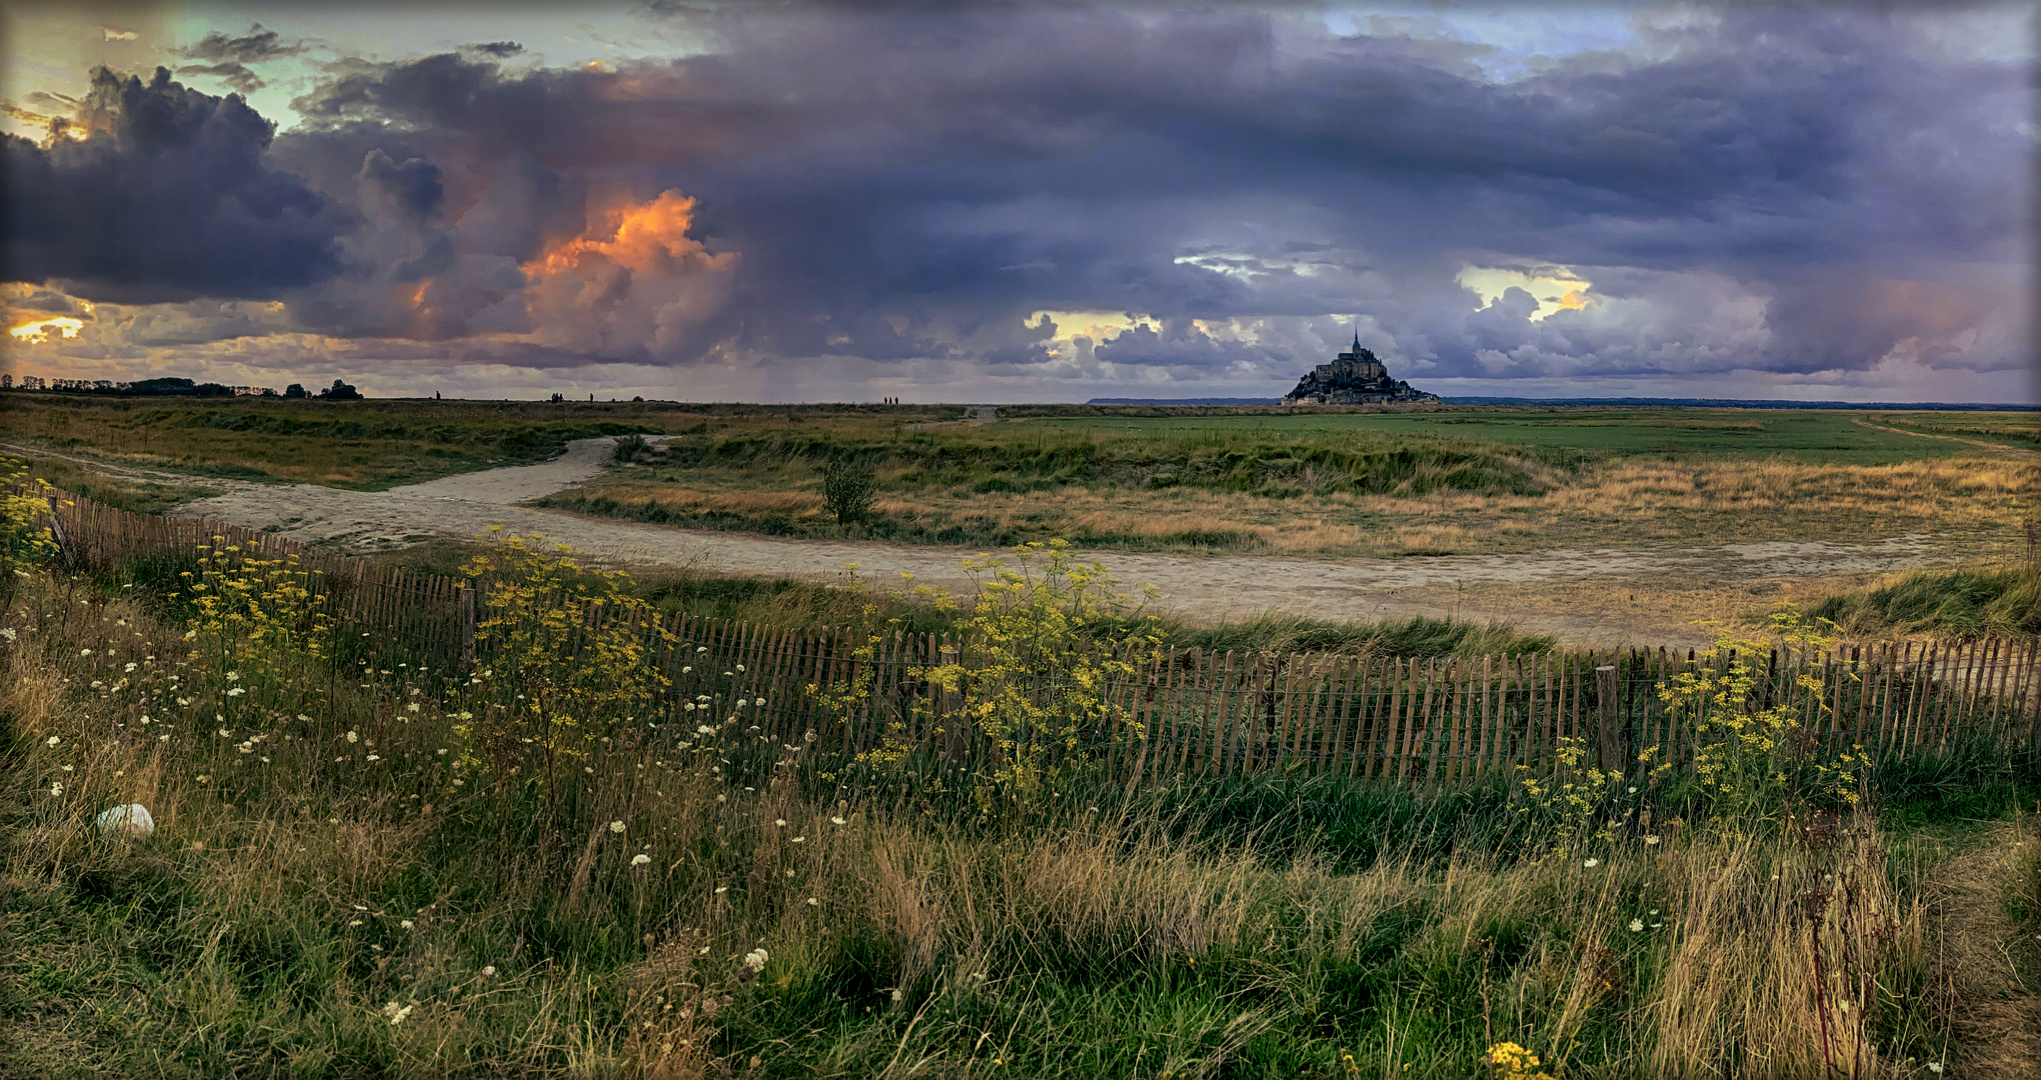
pixel 1354 378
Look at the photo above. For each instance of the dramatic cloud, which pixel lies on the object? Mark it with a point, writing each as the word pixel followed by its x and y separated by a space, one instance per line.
pixel 168 195
pixel 1055 202
pixel 254 47
pixel 238 76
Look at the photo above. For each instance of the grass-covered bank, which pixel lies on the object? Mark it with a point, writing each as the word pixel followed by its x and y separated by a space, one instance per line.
pixel 537 867
pixel 1963 603
pixel 796 603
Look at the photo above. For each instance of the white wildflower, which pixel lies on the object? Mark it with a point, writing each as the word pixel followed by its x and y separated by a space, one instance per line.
pixel 812 902
pixel 1650 841
pixel 616 826
pixel 756 958
pixel 53 740
pixel 640 860
pixel 1636 926
pixel 353 736
pixel 405 924
pixel 1592 863
pixel 837 821
pixel 233 676
pixel 56 790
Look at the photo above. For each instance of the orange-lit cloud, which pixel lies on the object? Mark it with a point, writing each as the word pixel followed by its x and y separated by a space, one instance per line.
pixel 42 331
pixel 632 283
pixel 645 237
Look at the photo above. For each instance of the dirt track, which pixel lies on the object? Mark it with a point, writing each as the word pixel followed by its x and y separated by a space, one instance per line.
pixel 1199 587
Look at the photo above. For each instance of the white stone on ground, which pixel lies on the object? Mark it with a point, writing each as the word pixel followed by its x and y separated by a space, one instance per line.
pixel 130 820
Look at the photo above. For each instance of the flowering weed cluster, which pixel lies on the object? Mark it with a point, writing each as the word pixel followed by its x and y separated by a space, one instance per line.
pixel 1050 636
pixel 1753 758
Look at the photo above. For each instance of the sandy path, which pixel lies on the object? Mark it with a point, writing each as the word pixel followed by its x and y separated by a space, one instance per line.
pixel 1199 587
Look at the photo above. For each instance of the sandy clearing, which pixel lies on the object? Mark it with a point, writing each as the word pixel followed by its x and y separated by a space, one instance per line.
pixel 1203 588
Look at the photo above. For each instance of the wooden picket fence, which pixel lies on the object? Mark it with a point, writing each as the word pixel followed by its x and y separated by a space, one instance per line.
pixel 1425 722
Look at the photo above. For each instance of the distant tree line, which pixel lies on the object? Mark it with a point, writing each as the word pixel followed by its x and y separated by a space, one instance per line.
pixel 175 387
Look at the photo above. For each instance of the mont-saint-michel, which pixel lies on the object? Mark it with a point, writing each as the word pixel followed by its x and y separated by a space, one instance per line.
pixel 1354 378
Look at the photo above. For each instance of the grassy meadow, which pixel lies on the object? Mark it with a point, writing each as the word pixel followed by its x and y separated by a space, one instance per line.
pixel 529 867
pixel 363 445
pixel 1360 482
pixel 1457 481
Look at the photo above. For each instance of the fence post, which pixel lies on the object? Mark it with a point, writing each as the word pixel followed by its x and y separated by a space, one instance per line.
pixel 468 624
pixel 1611 741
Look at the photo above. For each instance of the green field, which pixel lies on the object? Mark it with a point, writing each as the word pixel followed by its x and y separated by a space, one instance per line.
pixel 1813 436
pixel 366 445
pixel 1340 483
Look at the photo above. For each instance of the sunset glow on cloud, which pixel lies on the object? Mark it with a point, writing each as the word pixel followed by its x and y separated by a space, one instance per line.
pixel 817 200
pixel 1554 291
pixel 45 330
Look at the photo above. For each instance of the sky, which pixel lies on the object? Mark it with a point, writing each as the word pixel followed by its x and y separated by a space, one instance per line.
pixel 978 202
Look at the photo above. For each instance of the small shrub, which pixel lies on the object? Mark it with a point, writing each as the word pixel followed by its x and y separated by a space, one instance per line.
pixel 848 490
pixel 629 448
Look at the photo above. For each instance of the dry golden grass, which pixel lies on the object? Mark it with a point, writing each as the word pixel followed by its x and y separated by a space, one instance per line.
pixel 1636 499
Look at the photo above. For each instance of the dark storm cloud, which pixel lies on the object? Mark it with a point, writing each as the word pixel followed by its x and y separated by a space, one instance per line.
pixel 413 186
pixel 960 168
pixel 253 47
pixel 498 49
pixel 171 195
pixel 236 75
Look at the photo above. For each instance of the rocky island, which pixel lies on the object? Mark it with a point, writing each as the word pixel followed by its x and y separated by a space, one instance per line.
pixel 1354 378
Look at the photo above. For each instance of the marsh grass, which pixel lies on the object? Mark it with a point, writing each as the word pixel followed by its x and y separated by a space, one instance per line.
pixel 1338 492
pixel 1963 602
pixel 364 445
pixel 330 894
